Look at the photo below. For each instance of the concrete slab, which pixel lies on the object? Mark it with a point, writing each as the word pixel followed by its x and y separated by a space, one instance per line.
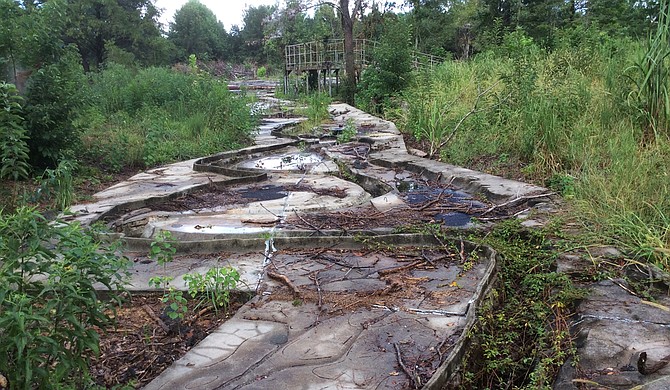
pixel 613 328
pixel 351 318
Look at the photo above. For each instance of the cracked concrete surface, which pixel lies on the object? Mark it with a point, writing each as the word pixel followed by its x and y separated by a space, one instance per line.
pixel 352 321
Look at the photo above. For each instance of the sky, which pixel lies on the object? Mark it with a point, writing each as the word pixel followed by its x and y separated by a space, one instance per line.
pixel 229 12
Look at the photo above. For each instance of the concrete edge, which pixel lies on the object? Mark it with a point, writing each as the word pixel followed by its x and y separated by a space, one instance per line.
pixel 302 239
pixel 467 180
pixel 455 358
pixel 136 204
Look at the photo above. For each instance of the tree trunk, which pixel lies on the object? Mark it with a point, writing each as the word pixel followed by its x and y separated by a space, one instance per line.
pixel 349 58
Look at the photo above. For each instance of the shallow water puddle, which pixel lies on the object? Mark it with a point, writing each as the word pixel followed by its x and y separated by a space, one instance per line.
pixel 286 162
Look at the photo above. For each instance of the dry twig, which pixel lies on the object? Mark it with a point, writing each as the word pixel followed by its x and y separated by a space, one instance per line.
pixel 517 200
pixel 405 369
pixel 284 279
pixel 388 271
pixel 154 317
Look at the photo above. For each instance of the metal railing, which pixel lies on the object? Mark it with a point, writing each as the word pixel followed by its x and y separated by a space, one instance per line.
pixel 329 55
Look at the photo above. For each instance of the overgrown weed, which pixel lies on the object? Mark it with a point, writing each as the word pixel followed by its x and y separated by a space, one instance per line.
pixel 567 119
pixel 515 347
pixel 139 119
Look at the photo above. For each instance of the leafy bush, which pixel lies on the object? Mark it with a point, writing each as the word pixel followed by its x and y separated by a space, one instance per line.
pixel 53 99
pixel 391 69
pixel 48 302
pixel 13 146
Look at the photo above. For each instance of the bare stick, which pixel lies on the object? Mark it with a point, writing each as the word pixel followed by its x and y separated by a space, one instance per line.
pixel 423 255
pixel 266 209
pixel 284 279
pixel 154 317
pixel 462 252
pixel 472 111
pixel 309 224
pixel 405 369
pixel 388 271
pixel 432 202
pixel 517 200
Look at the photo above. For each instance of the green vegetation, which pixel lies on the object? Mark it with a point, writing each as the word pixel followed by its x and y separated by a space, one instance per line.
pixel 571 118
pixel 13 147
pixel 391 71
pixel 162 250
pixel 48 302
pixel 153 116
pixel 315 107
pixel 570 95
pixel 522 348
pixel 214 286
pixel 348 132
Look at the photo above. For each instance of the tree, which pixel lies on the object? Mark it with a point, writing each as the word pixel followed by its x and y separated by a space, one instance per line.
pixel 391 70
pixel 621 17
pixel 256 20
pixel 196 30
pixel 130 25
pixel 348 17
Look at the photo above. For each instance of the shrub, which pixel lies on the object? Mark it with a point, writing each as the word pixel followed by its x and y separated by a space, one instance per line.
pixel 13 146
pixel 48 302
pixel 391 69
pixel 53 100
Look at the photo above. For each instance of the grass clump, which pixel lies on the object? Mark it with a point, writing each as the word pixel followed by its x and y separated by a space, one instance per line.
pixel 315 108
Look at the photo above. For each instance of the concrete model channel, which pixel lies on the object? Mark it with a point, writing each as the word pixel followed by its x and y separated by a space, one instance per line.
pixel 344 297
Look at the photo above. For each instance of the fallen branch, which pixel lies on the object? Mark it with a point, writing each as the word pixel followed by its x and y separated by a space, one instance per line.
pixel 506 217
pixel 423 255
pixel 517 200
pixel 405 369
pixel 154 317
pixel 389 271
pixel 309 224
pixel 284 279
pixel 268 210
pixel 642 364
pixel 315 278
pixel 432 202
pixel 338 262
pixel 472 111
pixel 462 253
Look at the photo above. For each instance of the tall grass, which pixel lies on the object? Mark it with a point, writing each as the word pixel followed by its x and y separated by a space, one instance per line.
pixel 651 74
pixel 565 114
pixel 156 115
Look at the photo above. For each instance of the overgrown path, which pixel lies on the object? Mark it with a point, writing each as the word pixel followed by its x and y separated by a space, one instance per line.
pixel 356 254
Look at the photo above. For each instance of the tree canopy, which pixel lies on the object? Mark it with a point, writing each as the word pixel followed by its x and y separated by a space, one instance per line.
pixel 196 30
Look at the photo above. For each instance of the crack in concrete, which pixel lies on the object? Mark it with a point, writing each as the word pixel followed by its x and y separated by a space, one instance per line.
pixel 585 317
pixel 319 361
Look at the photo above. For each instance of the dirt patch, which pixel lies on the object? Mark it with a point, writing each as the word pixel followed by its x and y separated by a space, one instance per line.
pixel 400 283
pixel 144 341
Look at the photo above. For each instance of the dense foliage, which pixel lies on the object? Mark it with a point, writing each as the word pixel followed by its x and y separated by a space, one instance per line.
pixel 48 301
pixel 153 116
